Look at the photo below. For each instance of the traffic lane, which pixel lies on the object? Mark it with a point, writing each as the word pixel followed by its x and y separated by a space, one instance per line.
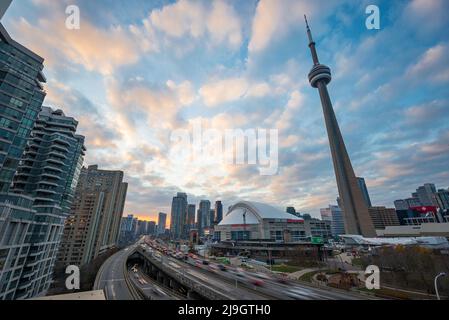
pixel 151 289
pixel 112 279
pixel 282 291
pixel 229 290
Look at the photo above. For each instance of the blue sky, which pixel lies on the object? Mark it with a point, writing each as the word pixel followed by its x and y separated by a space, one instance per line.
pixel 138 70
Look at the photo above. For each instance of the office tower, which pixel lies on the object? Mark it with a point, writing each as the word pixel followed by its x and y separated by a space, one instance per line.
pixel 95 215
pixel 48 173
pixel 218 211
pixel 337 220
pixel 364 189
pixel 204 215
pixel 162 218
pixel 190 218
pixel 151 228
pixel 178 215
pixel 199 221
pixel 426 195
pixel 4 4
pixel 356 215
pixel 211 217
pixel 383 217
pixel 326 214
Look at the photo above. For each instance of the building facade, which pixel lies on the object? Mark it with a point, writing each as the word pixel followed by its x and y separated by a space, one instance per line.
pixel 161 221
pixel 218 211
pixel 203 218
pixel 95 216
pixel 178 215
pixel 383 217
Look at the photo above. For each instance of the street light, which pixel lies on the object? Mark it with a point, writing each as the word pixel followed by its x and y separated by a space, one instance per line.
pixel 441 274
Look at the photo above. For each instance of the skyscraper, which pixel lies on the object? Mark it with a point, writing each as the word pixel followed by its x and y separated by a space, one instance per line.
pixel 211 217
pixel 426 194
pixel 47 174
pixel 178 215
pixel 162 218
pixel 203 216
pixel 95 215
pixel 218 211
pixel 190 218
pixel 355 210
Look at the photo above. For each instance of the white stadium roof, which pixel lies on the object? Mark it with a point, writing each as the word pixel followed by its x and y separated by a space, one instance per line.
pixel 255 212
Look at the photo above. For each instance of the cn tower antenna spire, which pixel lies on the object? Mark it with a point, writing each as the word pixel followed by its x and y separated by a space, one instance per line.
pixel 311 43
pixel 355 211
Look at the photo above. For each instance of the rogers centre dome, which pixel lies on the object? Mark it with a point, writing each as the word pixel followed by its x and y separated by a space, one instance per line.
pixel 248 220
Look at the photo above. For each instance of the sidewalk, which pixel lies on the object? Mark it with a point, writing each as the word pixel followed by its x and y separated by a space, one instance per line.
pixel 298 274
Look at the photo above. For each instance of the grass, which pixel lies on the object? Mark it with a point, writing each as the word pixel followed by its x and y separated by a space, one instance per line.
pixel 285 268
pixel 308 276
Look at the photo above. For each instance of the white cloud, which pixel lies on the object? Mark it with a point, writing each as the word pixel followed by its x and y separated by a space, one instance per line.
pixel 196 19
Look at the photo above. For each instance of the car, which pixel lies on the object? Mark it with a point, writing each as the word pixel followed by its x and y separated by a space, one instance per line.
pixel 256 281
pixel 205 262
pixel 222 267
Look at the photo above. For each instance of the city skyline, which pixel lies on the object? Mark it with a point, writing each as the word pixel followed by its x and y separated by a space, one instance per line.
pixel 250 72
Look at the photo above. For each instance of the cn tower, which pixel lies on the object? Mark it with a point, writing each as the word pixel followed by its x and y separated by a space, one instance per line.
pixel 355 211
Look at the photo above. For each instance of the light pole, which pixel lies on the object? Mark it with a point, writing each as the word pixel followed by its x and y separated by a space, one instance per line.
pixel 441 274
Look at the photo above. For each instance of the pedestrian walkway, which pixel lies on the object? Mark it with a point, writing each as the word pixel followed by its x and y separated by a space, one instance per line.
pixel 298 274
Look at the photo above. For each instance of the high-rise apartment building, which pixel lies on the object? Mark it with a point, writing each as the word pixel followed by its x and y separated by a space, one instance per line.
pixel 95 215
pixel 442 197
pixel 218 211
pixel 161 221
pixel 21 97
pixel 356 215
pixel 178 215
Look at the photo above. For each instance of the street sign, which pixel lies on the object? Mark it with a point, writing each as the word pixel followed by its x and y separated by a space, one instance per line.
pixel 317 240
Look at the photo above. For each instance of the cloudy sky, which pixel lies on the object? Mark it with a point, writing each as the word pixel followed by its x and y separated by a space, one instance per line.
pixel 138 70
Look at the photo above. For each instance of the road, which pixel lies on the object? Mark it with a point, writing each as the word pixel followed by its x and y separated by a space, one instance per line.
pixel 239 284
pixel 111 277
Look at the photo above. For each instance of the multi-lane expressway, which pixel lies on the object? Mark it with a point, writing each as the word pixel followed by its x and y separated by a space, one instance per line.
pixel 122 282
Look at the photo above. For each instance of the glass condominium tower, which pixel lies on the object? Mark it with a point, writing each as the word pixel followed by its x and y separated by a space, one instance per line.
pixel 21 97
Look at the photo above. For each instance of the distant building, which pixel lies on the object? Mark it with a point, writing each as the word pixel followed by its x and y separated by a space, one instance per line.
pixel 211 217
pixel 142 227
pixel 94 221
pixel 318 228
pixel 178 215
pixel 383 217
pixel 218 211
pixel 161 221
pixel 335 215
pixel 426 194
pixel 190 217
pixel 203 216
pixel 151 228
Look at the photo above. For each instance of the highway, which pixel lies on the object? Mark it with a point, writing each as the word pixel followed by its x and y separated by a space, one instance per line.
pixel 119 283
pixel 237 283
pixel 110 277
